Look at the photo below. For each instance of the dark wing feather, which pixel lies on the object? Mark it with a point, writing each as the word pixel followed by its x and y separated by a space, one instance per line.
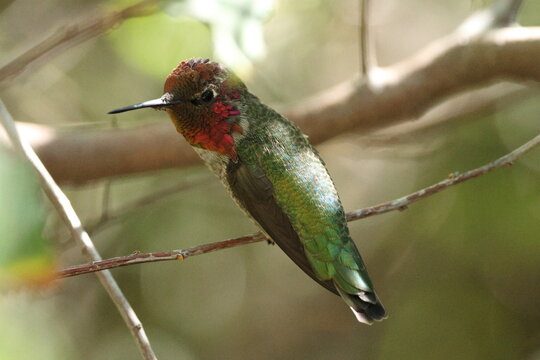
pixel 256 194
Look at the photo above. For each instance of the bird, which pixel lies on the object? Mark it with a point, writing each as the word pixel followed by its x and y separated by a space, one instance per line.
pixel 273 174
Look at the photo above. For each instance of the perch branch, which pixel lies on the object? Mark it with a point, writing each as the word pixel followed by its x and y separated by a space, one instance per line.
pixel 72 221
pixel 398 204
pixel 141 258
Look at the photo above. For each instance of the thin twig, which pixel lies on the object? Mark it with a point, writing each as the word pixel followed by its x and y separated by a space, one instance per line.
pixel 72 34
pixel 105 203
pixel 499 14
pixel 366 45
pixel 106 197
pixel 453 179
pixel 512 12
pixel 72 221
pixel 398 204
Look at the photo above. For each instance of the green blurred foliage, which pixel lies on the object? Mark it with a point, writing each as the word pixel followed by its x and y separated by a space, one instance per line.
pixel 458 272
pixel 25 258
pixel 151 44
pixel 232 30
pixel 237 27
pixel 31 329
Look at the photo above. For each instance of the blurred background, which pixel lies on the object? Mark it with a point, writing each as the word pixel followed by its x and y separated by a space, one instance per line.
pixel 458 272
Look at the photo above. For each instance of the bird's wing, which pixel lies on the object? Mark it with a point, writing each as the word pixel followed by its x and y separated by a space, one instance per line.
pixel 255 192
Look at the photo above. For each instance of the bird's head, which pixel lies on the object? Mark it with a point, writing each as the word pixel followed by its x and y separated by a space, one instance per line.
pixel 202 99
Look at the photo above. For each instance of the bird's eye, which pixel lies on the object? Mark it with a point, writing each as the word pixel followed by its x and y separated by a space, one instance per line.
pixel 207 95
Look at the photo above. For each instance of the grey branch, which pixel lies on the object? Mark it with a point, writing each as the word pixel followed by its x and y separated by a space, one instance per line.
pixel 398 204
pixel 72 221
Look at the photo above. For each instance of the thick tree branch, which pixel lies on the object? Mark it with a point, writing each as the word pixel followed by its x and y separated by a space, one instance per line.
pixel 463 108
pixel 404 92
pixel 73 223
pixel 469 57
pixel 397 204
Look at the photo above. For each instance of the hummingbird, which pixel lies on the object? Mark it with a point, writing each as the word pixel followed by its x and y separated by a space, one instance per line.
pixel 273 174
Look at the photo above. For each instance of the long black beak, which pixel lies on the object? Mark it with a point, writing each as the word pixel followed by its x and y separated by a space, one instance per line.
pixel 147 104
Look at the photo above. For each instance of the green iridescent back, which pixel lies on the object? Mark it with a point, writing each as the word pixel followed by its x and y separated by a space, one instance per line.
pixel 305 192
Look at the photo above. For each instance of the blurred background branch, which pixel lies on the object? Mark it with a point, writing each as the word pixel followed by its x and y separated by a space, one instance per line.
pixel 71 35
pixel 402 92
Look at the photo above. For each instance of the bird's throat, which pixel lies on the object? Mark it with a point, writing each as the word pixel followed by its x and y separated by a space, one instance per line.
pixel 215 134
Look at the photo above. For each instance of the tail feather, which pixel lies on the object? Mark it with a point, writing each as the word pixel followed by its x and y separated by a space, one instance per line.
pixel 365 305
